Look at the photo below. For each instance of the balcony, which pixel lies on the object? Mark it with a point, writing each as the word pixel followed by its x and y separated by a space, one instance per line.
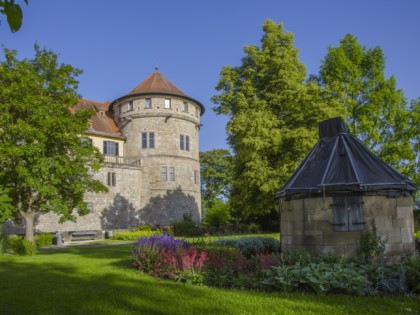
pixel 114 159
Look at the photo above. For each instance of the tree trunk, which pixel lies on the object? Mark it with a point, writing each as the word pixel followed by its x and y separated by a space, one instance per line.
pixel 29 217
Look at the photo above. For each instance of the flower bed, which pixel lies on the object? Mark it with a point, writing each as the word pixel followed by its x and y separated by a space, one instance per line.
pixel 227 266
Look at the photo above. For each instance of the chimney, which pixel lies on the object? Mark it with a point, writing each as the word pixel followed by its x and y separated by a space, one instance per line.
pixel 332 127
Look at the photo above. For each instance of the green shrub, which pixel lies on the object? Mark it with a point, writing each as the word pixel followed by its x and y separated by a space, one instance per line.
pixel 370 244
pixel 250 246
pixel 281 278
pixel 165 229
pixel 44 240
pixel 143 227
pixel 254 228
pixel 297 256
pixel 412 273
pixel 183 228
pixel 197 231
pixel 187 216
pixel 329 258
pixel 417 235
pixel 4 240
pixel 391 280
pixel 14 242
pixel 133 235
pixel 217 215
pixel 22 247
pixel 320 277
pixel 416 215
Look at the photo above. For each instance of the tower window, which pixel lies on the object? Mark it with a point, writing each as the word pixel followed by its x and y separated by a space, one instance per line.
pixel 130 106
pixel 144 143
pixel 110 148
pixel 172 174
pixel 144 140
pixel 167 103
pixel 195 177
pixel 185 107
pixel 148 103
pixel 181 142
pixel 164 174
pixel 151 140
pixel 184 142
pixel 111 179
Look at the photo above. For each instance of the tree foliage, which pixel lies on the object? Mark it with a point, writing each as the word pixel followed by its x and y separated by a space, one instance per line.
pixel 274 116
pixel 13 13
pixel 46 163
pixel 218 214
pixel 216 176
pixel 377 112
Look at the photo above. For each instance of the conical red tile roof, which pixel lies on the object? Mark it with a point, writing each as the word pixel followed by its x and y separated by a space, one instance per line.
pixel 157 83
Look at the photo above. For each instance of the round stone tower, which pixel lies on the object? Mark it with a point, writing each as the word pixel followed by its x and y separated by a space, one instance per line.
pixel 161 125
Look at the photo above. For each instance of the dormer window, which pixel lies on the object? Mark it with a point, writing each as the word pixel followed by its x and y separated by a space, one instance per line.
pixel 130 106
pixel 167 103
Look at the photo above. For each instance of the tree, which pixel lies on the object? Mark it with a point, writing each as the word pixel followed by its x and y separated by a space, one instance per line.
pixel 216 176
pixel 217 214
pixel 46 162
pixel 274 116
pixel 376 110
pixel 414 123
pixel 13 13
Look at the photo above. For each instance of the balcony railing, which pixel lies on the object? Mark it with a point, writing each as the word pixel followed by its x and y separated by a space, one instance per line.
pixel 122 160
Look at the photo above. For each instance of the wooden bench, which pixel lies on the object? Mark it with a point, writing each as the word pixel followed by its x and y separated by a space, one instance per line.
pixel 83 235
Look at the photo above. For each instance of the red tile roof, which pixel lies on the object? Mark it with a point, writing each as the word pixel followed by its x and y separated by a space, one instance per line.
pixel 103 123
pixel 157 83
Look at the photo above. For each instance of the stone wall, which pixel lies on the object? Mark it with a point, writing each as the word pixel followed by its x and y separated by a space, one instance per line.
pixel 117 209
pixel 164 201
pixel 307 224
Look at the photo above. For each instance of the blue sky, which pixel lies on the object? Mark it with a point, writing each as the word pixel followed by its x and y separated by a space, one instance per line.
pixel 118 43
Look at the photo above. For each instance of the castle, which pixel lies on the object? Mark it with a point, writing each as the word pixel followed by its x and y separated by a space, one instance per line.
pixel 150 142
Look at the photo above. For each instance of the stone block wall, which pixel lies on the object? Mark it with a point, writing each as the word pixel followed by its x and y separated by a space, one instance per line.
pixel 116 209
pixel 307 224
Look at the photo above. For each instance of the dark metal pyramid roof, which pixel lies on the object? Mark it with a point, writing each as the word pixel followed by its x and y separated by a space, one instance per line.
pixel 341 162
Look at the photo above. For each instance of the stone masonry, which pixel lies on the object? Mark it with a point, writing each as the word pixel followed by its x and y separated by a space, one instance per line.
pixel 307 224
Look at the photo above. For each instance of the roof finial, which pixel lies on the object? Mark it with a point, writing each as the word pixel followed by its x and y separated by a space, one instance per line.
pixel 156 67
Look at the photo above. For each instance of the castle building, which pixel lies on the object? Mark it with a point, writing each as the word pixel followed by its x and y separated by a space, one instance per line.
pixel 150 142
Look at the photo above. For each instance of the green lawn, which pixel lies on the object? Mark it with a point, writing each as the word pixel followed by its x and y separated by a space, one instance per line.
pixel 101 281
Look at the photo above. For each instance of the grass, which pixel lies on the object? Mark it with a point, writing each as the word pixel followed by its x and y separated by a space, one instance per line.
pixel 213 238
pixel 100 280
